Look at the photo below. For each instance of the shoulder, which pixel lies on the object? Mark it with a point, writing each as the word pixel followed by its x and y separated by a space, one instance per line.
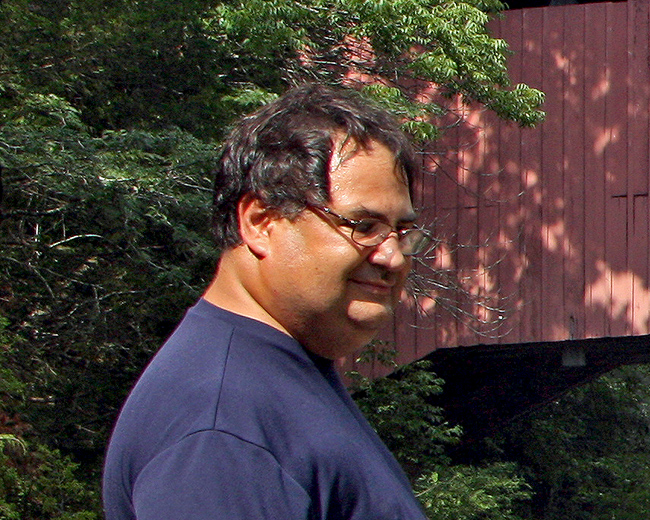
pixel 213 474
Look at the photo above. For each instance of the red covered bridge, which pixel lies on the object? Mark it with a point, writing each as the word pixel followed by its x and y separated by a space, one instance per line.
pixel 544 259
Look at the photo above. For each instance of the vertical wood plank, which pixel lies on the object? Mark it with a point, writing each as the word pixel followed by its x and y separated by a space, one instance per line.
pixel 597 290
pixel 488 248
pixel 617 202
pixel 574 175
pixel 531 158
pixel 470 152
pixel 554 66
pixel 508 200
pixel 638 160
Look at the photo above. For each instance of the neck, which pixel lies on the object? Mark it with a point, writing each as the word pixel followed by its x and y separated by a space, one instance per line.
pixel 229 289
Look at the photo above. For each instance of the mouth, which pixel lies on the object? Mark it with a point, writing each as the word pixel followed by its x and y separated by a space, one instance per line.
pixel 375 287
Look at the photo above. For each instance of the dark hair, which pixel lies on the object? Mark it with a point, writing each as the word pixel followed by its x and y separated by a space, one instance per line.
pixel 282 152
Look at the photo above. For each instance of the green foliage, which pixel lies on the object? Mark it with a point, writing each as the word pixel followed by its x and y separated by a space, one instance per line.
pixel 9 383
pixel 400 409
pixel 110 118
pixel 197 64
pixel 493 492
pixel 107 115
pixel 587 455
pixel 39 483
pixel 449 45
pixel 105 242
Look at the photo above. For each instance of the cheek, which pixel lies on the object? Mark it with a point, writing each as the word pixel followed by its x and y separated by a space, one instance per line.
pixel 331 261
pixel 315 273
pixel 329 276
pixel 319 263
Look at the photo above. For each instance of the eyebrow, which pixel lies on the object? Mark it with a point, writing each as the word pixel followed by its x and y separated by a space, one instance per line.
pixel 368 213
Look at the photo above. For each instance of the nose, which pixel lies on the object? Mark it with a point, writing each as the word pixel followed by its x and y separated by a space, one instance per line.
pixel 388 254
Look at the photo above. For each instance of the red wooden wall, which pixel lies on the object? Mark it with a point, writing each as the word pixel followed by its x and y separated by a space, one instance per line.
pixel 545 231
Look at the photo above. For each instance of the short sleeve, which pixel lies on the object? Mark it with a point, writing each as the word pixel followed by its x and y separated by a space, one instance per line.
pixel 214 475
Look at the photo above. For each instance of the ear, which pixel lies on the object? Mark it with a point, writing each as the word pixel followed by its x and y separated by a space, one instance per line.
pixel 255 223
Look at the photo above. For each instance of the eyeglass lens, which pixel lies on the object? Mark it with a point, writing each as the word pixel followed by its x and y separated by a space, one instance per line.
pixel 374 232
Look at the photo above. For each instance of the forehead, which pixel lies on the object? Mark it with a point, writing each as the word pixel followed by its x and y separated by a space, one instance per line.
pixel 368 177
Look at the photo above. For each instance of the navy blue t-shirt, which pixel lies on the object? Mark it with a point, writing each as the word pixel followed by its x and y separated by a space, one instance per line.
pixel 234 420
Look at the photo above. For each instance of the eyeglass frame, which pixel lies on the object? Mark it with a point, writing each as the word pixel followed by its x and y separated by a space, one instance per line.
pixel 353 224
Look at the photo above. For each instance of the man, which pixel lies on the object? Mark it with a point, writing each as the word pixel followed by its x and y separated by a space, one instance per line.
pixel 241 414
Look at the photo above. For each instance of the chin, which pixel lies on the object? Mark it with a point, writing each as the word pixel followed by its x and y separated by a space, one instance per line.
pixel 371 316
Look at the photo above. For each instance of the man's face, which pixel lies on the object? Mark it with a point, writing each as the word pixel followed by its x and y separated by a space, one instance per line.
pixel 327 291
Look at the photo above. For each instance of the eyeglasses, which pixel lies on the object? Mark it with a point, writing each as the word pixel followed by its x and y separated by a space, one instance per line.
pixel 369 232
